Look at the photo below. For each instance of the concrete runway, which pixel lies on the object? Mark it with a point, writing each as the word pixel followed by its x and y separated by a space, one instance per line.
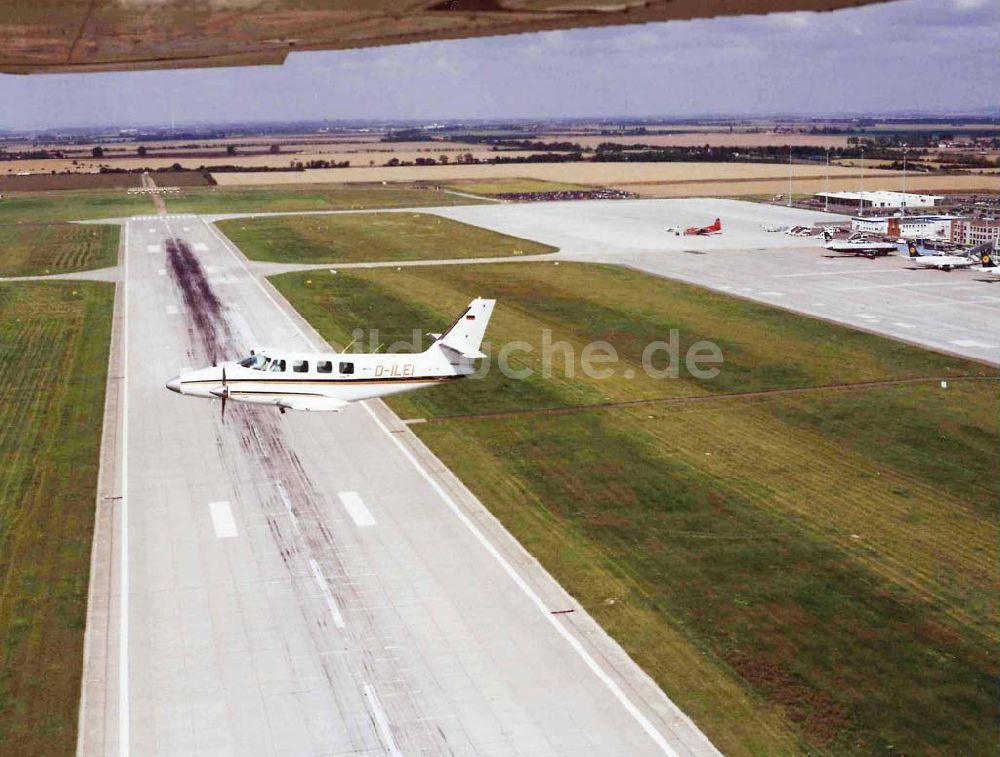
pixel 956 312
pixel 314 584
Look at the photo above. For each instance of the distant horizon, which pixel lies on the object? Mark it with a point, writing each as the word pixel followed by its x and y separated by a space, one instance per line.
pixel 933 57
pixel 451 122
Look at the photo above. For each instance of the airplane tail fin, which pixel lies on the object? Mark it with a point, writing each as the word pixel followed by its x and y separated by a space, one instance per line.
pixel 717 226
pixel 912 247
pixel 464 336
pixel 827 236
pixel 985 254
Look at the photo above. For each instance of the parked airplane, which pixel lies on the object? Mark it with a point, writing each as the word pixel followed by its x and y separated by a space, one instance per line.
pixel 856 247
pixel 938 260
pixel 704 231
pixel 330 381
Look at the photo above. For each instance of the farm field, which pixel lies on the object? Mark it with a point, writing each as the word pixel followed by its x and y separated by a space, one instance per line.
pixel 56 248
pixel 54 340
pixel 354 238
pixel 715 139
pixel 800 571
pixel 599 174
pixel 85 181
pixel 258 157
pixel 283 199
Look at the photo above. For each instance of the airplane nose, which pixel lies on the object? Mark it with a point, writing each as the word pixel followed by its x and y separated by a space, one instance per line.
pixel 174 384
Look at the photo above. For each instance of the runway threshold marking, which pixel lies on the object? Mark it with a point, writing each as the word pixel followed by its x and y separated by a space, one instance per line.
pixel 222 520
pixel 324 587
pixel 381 722
pixel 616 691
pixel 357 509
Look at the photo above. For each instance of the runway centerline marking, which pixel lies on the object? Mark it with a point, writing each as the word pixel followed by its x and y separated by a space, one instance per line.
pixel 357 509
pixel 644 722
pixel 222 520
pixel 324 587
pixel 382 722
pixel 288 506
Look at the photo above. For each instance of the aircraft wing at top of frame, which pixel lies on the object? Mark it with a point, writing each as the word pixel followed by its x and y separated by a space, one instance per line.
pixel 51 36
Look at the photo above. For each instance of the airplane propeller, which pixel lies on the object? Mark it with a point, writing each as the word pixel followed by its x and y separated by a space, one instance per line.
pixel 224 393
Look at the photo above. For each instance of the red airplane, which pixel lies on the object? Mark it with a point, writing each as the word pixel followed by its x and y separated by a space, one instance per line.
pixel 704 231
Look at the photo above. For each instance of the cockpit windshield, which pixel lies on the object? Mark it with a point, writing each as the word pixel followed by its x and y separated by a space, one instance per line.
pixel 256 361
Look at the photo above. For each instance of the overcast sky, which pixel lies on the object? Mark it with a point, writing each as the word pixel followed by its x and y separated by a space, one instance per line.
pixel 912 55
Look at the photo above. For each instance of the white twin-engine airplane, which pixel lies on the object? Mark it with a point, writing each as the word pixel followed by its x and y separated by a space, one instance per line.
pixel 330 381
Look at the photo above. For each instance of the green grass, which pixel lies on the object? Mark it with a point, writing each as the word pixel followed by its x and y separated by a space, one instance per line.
pixel 301 199
pixel 53 367
pixel 45 207
pixel 490 187
pixel 56 248
pixel 809 572
pixel 41 207
pixel 363 237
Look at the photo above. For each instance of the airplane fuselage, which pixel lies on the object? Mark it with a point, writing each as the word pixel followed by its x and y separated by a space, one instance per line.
pixel 325 381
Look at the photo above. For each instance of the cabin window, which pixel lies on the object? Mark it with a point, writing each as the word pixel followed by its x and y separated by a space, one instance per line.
pixel 300 366
pixel 347 367
pixel 278 366
pixel 254 361
pixel 324 366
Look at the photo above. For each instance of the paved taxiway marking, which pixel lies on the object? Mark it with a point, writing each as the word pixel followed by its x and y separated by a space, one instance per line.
pixel 906 285
pixel 287 503
pixel 903 325
pixel 200 246
pixel 173 310
pixel 381 722
pixel 972 343
pixel 222 520
pixel 357 509
pixel 123 589
pixel 841 272
pixel 331 603
pixel 574 643
pixel 153 248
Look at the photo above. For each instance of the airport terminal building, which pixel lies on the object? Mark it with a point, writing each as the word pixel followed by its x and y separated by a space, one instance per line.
pixel 878 200
pixel 941 227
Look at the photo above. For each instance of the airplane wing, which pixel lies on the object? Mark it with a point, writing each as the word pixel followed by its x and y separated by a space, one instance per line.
pixel 119 35
pixel 314 404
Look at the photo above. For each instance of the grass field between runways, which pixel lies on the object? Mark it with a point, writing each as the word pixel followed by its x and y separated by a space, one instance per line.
pixel 365 237
pixel 54 341
pixel 810 571
pixel 308 198
pixel 41 249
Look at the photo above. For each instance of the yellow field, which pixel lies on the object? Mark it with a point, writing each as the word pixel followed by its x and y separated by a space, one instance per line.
pixel 600 174
pixel 358 154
